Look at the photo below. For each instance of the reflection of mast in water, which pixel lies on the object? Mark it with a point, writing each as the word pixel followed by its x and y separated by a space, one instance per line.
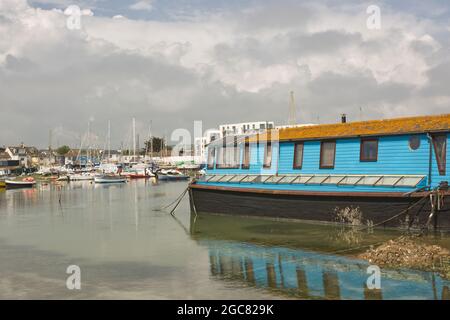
pixel 136 210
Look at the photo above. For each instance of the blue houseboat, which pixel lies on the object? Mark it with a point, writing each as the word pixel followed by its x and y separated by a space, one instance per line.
pixel 390 173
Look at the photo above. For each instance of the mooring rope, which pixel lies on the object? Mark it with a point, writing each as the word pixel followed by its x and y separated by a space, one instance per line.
pixel 176 205
pixel 395 216
pixel 176 201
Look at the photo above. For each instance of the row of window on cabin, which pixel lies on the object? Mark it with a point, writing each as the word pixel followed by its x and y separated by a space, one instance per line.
pixel 229 157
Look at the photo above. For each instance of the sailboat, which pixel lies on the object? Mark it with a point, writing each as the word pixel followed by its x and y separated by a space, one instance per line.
pixel 28 182
pixel 171 175
pixel 109 178
pixel 81 176
pixel 138 172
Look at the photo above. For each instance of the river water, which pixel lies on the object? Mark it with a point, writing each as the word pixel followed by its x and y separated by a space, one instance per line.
pixel 126 249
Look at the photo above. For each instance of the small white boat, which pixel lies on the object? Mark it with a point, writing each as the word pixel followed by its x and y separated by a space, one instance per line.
pixel 15 184
pixel 81 177
pixel 106 178
pixel 171 175
pixel 188 166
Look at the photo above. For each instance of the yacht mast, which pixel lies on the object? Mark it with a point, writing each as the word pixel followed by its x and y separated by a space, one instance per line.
pixel 109 140
pixel 134 138
pixel 88 142
pixel 151 142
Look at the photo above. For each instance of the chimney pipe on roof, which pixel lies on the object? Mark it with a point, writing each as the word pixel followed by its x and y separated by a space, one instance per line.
pixel 343 118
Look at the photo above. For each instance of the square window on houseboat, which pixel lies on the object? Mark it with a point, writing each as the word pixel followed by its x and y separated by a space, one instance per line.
pixel 388 181
pixel 288 179
pixel 350 180
pixel 273 179
pixel 211 156
pixel 327 154
pixel 266 179
pixel 369 180
pixel 268 155
pixel 237 178
pixel 333 179
pixel 316 180
pixel 251 179
pixel 409 181
pixel 216 178
pixel 298 155
pixel 369 150
pixel 227 178
pixel 302 179
pixel 246 159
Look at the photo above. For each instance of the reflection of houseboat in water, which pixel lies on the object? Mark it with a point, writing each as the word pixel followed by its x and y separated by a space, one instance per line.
pixel 316 276
pixel 386 172
pixel 302 273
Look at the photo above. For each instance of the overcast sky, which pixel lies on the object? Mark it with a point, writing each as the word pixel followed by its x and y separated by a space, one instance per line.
pixel 172 62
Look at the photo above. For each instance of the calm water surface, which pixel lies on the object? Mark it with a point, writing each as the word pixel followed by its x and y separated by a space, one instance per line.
pixel 126 249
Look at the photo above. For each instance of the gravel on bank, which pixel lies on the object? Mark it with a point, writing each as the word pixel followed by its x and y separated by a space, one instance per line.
pixel 408 252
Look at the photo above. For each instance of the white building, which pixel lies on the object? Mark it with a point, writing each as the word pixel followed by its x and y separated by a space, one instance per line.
pixel 238 129
pixel 245 128
pixel 201 143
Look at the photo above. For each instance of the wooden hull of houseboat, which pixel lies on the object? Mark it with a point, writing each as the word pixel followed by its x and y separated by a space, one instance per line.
pixel 379 209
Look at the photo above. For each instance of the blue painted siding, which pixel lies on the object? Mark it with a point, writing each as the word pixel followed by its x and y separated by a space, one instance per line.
pixel 394 157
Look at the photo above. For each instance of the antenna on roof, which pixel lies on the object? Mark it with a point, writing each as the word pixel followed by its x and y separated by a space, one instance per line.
pixel 292 118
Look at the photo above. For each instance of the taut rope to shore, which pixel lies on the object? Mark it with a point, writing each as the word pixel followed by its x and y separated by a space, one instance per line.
pixel 176 202
pixel 395 216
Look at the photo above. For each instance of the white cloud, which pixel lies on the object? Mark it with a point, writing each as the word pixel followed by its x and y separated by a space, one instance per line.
pixel 217 67
pixel 145 5
pixel 87 12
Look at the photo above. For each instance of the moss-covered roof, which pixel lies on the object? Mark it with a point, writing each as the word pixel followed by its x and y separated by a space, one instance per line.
pixel 397 126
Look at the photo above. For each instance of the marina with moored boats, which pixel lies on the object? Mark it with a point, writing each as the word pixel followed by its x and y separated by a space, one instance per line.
pixel 275 193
